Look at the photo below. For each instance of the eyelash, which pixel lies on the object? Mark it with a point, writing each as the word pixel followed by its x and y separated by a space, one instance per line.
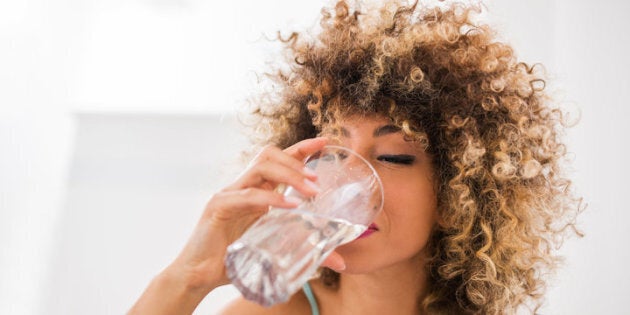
pixel 402 159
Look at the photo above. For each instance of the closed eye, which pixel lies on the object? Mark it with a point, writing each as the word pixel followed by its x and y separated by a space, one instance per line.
pixel 403 159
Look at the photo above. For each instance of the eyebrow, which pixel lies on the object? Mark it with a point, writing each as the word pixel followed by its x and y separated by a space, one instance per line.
pixel 380 131
pixel 385 130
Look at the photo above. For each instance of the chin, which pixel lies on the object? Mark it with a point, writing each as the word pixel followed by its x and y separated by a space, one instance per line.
pixel 359 268
pixel 359 258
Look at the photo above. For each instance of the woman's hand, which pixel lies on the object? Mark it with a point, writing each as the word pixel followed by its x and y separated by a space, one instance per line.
pixel 199 267
pixel 232 210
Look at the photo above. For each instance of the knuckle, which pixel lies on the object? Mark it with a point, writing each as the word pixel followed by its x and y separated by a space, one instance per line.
pixel 214 198
pixel 267 151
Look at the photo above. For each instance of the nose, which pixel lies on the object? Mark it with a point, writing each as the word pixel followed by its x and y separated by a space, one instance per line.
pixel 343 170
pixel 358 146
pixel 343 155
pixel 353 159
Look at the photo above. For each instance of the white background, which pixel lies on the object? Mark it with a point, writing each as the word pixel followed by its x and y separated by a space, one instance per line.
pixel 117 122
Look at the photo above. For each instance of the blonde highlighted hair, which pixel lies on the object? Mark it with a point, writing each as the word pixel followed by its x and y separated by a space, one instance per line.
pixel 504 202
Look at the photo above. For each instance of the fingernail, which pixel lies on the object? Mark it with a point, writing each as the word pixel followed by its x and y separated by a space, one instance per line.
pixel 311 185
pixel 343 266
pixel 292 199
pixel 309 172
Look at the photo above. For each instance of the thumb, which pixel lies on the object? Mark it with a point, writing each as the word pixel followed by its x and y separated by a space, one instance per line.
pixel 335 262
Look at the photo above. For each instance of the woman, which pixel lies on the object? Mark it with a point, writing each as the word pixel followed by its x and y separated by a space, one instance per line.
pixel 465 143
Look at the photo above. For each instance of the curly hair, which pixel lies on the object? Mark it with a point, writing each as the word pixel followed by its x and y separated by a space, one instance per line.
pixel 504 201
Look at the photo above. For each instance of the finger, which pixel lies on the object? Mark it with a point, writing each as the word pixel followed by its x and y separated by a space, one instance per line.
pixel 232 204
pixel 272 172
pixel 251 177
pixel 273 153
pixel 305 148
pixel 335 262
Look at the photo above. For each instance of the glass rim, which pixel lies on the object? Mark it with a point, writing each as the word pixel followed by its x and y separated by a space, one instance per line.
pixel 365 161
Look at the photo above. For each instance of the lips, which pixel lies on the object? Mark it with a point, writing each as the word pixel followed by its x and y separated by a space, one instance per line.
pixel 371 229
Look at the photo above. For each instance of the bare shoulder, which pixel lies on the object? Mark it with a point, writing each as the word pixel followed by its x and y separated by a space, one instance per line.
pixel 296 305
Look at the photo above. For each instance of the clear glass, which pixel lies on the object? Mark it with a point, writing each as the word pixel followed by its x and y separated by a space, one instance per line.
pixel 284 248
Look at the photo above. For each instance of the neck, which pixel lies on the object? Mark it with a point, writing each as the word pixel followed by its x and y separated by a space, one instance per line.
pixel 397 287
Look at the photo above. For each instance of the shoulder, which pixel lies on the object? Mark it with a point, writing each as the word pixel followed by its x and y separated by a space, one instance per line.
pixel 298 304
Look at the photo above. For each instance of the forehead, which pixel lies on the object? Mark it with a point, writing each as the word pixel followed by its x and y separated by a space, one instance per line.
pixel 365 119
pixel 359 127
pixel 373 122
pixel 375 126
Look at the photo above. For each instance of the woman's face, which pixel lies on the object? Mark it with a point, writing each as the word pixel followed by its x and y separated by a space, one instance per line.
pixel 402 229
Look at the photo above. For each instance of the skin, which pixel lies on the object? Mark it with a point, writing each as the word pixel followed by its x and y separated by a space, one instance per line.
pixel 379 273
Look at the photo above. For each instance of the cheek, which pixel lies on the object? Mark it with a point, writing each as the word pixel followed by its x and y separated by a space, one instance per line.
pixel 411 211
pixel 409 197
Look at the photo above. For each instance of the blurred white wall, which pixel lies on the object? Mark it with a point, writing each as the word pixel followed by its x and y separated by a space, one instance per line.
pixel 36 136
pixel 116 118
pixel 136 188
pixel 591 64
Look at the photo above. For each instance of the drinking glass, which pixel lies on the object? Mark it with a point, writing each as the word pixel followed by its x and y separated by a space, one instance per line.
pixel 284 248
